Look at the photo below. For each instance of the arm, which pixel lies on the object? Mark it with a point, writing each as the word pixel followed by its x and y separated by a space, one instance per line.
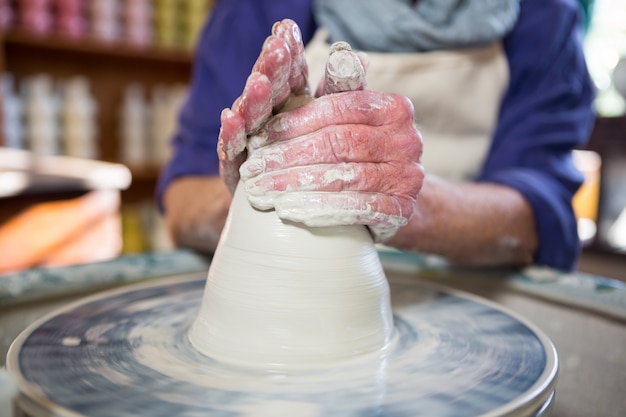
pixel 470 223
pixel 196 222
pixel 520 210
pixel 547 112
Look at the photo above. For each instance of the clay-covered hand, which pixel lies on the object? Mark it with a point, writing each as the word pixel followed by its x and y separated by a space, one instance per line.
pixel 344 158
pixel 279 73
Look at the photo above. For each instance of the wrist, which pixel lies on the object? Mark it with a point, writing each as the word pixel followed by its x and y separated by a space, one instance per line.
pixel 196 210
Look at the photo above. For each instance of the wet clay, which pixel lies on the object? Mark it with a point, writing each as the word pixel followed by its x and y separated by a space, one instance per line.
pixel 283 294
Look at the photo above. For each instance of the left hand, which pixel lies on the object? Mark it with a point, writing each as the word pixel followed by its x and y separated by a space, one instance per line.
pixel 279 73
pixel 345 158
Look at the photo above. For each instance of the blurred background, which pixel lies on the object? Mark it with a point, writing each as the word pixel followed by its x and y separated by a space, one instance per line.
pixel 90 94
pixel 89 80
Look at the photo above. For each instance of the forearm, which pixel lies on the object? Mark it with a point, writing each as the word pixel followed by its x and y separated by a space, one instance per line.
pixel 471 223
pixel 196 210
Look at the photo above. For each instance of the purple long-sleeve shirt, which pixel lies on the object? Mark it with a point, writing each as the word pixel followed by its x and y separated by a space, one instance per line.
pixel 547 109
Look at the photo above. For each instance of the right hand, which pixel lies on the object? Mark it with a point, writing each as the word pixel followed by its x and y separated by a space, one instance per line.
pixel 342 159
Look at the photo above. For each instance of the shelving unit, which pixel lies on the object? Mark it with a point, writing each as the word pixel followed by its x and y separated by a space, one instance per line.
pixel 110 67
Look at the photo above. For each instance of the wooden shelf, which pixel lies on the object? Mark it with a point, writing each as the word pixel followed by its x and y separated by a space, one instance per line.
pixel 87 45
pixel 110 67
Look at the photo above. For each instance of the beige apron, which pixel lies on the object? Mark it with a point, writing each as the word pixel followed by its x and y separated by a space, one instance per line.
pixel 456 95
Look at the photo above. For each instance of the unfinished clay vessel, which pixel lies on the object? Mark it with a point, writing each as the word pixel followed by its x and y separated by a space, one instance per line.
pixel 283 294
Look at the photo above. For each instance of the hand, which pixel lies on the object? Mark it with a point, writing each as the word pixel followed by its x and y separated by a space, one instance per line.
pixel 279 73
pixel 344 158
pixel 197 222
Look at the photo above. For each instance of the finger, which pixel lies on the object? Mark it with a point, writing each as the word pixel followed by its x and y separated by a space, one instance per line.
pixel 289 31
pixel 344 71
pixel 255 104
pixel 232 137
pixel 382 232
pixel 354 107
pixel 392 179
pixel 275 62
pixel 363 61
pixel 231 146
pixel 229 171
pixel 343 143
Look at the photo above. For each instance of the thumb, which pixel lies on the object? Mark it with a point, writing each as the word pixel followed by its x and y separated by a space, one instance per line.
pixel 345 71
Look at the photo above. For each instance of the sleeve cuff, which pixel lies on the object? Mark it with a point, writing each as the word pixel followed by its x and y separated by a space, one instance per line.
pixel 559 245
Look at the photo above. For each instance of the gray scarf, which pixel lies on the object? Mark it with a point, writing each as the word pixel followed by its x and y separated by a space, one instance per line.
pixel 401 26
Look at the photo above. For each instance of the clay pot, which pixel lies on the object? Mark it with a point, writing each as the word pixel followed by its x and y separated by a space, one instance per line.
pixel 282 294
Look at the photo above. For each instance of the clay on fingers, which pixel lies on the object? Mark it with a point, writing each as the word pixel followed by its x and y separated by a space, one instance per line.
pixel 255 105
pixel 383 214
pixel 344 70
pixel 333 145
pixel 362 107
pixel 249 112
pixel 231 147
pixel 275 62
pixel 289 31
pixel 389 178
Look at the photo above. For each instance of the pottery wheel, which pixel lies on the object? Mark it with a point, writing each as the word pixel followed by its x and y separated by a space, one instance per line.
pixel 126 352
